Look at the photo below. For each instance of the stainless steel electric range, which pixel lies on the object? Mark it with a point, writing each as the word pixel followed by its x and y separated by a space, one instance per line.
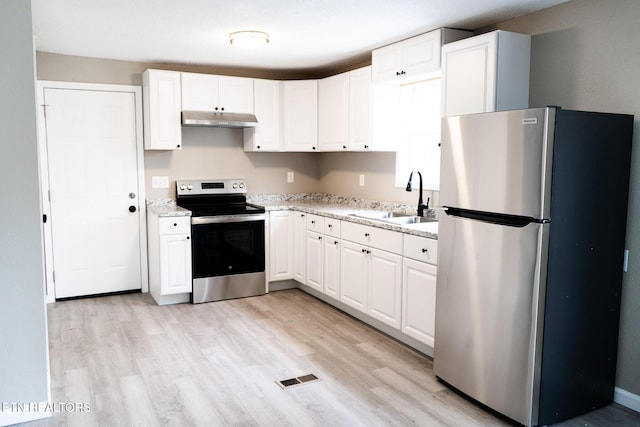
pixel 227 239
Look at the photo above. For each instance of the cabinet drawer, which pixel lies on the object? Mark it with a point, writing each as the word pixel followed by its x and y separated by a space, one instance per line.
pixel 421 248
pixel 315 223
pixel 375 237
pixel 332 227
pixel 175 225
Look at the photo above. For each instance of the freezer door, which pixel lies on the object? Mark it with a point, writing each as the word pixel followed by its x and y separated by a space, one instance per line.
pixel 498 162
pixel 487 303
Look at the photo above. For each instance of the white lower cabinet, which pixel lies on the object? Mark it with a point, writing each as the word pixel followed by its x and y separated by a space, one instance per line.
pixel 169 250
pixel 299 224
pixel 354 275
pixel 331 267
pixel 419 274
pixel 280 241
pixel 385 286
pixel 315 260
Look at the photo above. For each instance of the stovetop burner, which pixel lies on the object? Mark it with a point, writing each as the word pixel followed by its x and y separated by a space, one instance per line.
pixel 215 197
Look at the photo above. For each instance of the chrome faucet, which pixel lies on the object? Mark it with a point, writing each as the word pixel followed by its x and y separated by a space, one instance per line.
pixel 421 205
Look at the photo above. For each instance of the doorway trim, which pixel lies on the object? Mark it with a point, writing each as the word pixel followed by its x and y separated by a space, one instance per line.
pixel 43 160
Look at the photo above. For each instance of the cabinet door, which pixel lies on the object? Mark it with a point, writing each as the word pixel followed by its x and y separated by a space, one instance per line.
pixel 422 54
pixel 162 107
pixel 360 109
pixel 314 262
pixel 469 75
pixel 280 246
pixel 300 115
pixel 175 264
pixel 235 94
pixel 419 300
pixel 331 269
pixel 266 102
pixel 354 275
pixel 199 92
pixel 385 287
pixel 299 246
pixel 333 119
pixel 386 63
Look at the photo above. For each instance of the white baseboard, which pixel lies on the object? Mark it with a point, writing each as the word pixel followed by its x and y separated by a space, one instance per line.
pixel 625 398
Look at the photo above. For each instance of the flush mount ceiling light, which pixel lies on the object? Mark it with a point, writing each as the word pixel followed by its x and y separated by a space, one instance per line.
pixel 248 38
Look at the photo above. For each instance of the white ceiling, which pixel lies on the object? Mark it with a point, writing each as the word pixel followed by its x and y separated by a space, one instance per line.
pixel 305 35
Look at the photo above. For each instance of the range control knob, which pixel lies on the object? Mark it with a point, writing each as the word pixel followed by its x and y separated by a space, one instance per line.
pixel 189 187
pixel 235 185
pixel 242 185
pixel 183 187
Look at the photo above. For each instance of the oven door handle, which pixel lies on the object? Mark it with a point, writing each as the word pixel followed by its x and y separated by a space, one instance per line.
pixel 198 220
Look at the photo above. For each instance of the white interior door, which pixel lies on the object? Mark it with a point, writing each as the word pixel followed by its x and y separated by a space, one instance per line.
pixel 91 138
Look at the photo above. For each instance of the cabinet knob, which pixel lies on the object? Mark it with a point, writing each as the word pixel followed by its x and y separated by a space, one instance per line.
pixel 216 108
pixel 313 148
pixel 424 251
pixel 188 237
pixel 368 252
pixel 313 222
pixel 258 147
pixel 344 147
pixel 132 209
pixel 364 251
pixel 175 224
pixel 335 242
pixel 178 146
pixel 366 147
pixel 330 225
pixel 367 234
pixel 319 237
pixel 222 109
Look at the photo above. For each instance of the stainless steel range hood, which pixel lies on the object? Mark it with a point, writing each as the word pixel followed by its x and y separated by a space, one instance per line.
pixel 219 119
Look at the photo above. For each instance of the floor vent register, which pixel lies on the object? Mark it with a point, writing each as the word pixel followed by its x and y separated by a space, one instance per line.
pixel 303 379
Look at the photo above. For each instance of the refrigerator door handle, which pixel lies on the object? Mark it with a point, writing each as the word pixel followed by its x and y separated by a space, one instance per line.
pixel 494 218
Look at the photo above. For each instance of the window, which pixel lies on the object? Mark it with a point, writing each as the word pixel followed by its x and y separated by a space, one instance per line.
pixel 419 147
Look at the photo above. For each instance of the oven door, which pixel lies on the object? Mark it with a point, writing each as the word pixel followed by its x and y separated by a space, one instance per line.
pixel 227 245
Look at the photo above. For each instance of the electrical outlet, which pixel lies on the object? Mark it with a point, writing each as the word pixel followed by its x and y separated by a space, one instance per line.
pixel 290 177
pixel 361 180
pixel 159 182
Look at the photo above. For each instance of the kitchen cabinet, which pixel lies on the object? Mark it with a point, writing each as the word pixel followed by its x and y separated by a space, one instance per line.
pixel 486 73
pixel 280 244
pixel 162 107
pixel 412 59
pixel 298 247
pixel 208 92
pixel 314 260
pixel 331 267
pixel 169 252
pixel 300 115
pixel 344 114
pixel 419 274
pixel 266 102
pixel 371 274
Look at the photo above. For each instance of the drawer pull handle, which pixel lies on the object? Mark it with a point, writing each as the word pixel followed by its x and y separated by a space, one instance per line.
pixel 319 237
pixel 330 226
pixel 367 234
pixel 313 222
pixel 175 224
pixel 364 251
pixel 335 242
pixel 188 237
pixel 424 251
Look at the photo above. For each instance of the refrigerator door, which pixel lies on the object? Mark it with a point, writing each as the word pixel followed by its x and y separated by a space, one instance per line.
pixel 498 162
pixel 487 311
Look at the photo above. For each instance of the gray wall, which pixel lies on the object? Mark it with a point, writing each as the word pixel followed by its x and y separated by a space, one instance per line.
pixel 586 56
pixel 23 358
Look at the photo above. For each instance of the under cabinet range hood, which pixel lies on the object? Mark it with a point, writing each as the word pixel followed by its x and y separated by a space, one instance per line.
pixel 219 119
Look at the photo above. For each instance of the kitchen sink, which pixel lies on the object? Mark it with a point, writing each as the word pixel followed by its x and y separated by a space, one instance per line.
pixel 394 217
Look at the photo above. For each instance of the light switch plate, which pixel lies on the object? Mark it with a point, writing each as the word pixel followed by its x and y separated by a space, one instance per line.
pixel 159 182
pixel 361 180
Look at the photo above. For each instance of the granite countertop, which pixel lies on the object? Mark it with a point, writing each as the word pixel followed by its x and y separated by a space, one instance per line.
pixel 166 208
pixel 342 208
pixel 327 205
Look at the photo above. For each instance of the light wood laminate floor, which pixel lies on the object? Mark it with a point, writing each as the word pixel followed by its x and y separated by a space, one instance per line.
pixel 215 364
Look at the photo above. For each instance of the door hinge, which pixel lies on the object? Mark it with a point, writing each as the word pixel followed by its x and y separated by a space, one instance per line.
pixel 44 109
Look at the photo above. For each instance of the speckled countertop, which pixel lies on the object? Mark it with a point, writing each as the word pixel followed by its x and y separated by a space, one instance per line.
pixel 327 205
pixel 343 208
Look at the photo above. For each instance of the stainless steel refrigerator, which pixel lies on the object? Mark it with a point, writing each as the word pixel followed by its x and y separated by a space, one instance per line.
pixel 530 259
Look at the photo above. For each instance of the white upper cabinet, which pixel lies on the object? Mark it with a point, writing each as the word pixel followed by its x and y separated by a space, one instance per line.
pixel 411 59
pixel 207 92
pixel 161 103
pixel 300 111
pixel 486 73
pixel 266 136
pixel 344 113
pixel 333 113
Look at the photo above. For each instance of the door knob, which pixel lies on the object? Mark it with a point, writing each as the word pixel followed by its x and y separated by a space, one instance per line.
pixel 132 208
